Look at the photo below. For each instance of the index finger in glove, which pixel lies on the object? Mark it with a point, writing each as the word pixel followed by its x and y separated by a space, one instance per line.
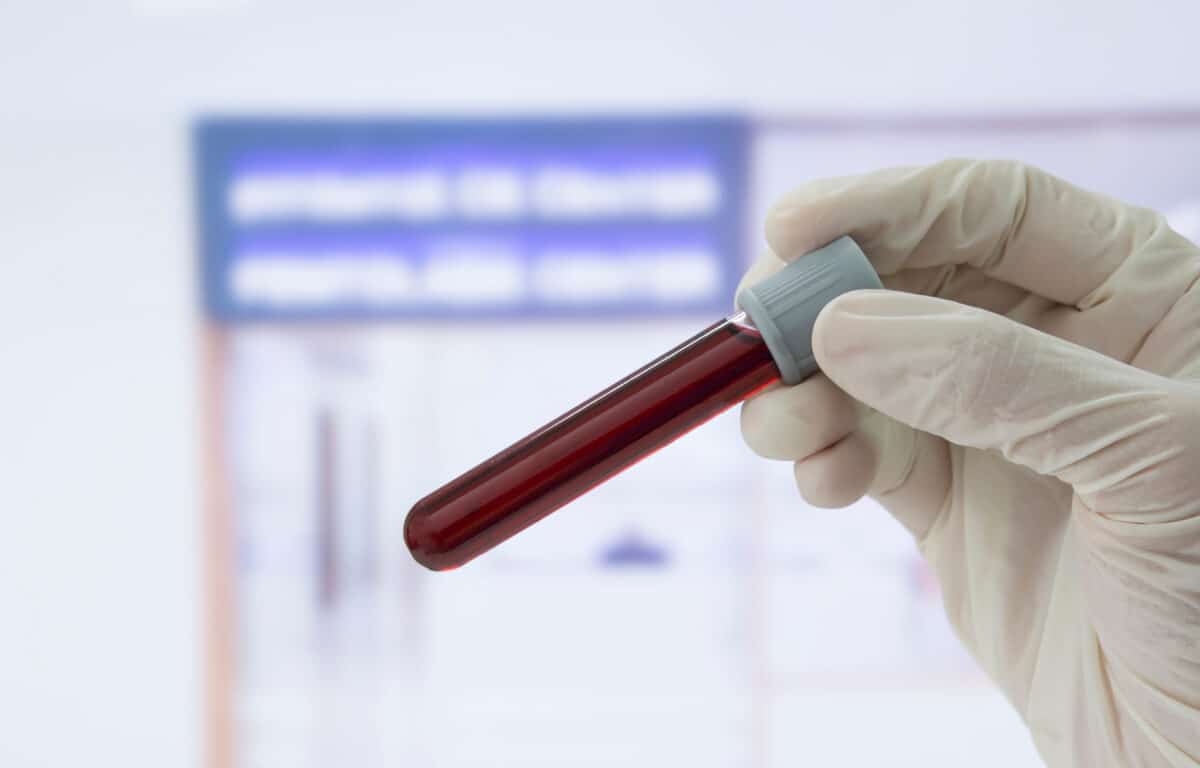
pixel 1017 224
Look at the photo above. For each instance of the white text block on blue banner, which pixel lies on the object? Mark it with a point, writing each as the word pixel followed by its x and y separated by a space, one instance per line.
pixel 377 219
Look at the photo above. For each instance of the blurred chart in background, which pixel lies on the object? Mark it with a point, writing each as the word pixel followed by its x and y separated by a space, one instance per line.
pixel 392 301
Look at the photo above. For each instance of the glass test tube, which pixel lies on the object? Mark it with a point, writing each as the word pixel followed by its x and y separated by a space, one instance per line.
pixel 717 368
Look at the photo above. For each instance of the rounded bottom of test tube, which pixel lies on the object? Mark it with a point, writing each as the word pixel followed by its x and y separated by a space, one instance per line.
pixel 420 538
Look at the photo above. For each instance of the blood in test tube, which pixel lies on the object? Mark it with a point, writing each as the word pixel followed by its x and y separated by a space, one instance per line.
pixel 705 375
pixel 718 367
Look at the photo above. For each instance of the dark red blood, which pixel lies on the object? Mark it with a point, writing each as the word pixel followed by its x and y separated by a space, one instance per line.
pixel 705 375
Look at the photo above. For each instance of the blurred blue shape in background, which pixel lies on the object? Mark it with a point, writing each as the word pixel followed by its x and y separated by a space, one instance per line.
pixel 325 219
pixel 631 549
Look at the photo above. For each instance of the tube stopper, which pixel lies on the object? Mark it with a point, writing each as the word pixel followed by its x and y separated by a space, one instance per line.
pixel 784 307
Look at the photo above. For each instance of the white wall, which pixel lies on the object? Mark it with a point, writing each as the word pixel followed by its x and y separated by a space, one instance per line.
pixel 99 555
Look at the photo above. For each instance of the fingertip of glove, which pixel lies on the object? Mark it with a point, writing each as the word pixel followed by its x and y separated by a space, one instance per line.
pixel 839 475
pixel 793 228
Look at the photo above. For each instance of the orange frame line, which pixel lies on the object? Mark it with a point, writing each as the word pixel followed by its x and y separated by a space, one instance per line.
pixel 217 564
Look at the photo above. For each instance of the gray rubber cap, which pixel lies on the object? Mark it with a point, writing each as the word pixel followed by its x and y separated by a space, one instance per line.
pixel 784 307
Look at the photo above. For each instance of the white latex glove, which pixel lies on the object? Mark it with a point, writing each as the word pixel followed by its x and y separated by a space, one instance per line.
pixel 1036 428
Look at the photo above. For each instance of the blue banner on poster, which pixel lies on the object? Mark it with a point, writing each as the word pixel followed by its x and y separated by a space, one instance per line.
pixel 377 219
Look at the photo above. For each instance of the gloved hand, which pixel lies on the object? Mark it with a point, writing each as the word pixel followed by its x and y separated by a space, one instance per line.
pixel 1036 427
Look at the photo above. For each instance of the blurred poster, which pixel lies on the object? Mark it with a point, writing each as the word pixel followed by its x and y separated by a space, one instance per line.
pixel 399 299
pixel 329 219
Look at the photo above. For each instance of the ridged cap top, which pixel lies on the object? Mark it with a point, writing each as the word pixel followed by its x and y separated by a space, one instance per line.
pixel 784 307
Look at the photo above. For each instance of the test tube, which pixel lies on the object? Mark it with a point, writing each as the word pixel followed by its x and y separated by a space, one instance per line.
pixel 722 365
